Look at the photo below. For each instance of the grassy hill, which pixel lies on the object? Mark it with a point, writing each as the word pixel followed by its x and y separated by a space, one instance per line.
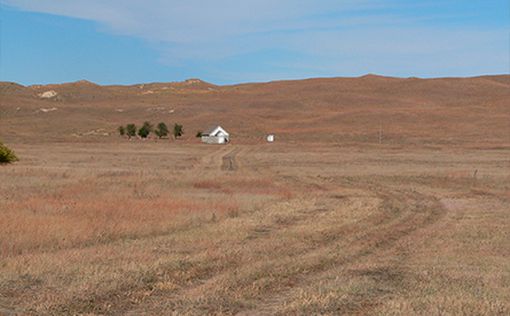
pixel 341 110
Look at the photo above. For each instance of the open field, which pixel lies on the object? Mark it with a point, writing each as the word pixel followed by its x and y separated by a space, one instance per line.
pixel 133 228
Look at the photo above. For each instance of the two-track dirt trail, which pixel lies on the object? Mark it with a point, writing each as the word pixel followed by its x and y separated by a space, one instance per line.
pixel 399 215
pixel 229 161
pixel 369 239
pixel 331 248
pixel 220 158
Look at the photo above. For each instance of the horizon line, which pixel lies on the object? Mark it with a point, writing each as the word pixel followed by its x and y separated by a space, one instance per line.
pixel 373 75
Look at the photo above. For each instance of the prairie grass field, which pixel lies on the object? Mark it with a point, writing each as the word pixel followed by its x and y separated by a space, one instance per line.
pixel 162 228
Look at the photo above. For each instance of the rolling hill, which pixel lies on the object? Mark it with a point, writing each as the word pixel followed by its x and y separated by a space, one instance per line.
pixel 473 111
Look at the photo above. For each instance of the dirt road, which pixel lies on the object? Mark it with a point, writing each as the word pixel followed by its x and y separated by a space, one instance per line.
pixel 229 161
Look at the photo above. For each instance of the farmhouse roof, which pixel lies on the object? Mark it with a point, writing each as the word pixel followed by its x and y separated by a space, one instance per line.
pixel 211 130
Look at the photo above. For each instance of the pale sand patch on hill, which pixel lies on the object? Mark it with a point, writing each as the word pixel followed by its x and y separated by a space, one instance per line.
pixel 48 110
pixel 48 94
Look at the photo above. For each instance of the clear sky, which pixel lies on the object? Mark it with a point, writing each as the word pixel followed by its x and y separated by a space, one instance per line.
pixel 231 41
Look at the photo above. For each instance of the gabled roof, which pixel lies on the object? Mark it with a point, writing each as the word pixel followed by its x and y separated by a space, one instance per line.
pixel 214 130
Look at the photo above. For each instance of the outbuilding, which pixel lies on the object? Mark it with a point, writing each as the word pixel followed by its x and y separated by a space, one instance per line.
pixel 215 135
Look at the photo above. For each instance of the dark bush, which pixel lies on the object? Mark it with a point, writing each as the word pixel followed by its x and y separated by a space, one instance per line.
pixel 7 155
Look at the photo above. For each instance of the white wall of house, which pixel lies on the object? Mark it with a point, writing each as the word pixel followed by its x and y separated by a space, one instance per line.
pixel 215 139
pixel 216 136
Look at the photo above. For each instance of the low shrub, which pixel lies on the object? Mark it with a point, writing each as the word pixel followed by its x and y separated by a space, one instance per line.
pixel 7 155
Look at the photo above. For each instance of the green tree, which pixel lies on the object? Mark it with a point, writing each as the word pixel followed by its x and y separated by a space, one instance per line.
pixel 7 155
pixel 145 130
pixel 161 130
pixel 131 130
pixel 199 134
pixel 178 130
pixel 122 130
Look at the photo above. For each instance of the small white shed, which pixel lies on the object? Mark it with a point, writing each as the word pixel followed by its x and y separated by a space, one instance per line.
pixel 270 138
pixel 215 135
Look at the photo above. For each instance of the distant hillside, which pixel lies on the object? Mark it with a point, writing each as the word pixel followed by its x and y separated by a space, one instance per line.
pixel 337 110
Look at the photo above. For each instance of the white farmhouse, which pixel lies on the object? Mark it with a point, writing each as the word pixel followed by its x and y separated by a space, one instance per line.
pixel 215 135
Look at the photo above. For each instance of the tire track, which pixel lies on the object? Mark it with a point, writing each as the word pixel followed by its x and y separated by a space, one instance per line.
pixel 229 160
pixel 425 211
pixel 401 214
pixel 211 162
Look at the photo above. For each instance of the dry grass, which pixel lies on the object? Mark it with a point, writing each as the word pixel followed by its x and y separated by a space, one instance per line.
pixel 451 111
pixel 250 186
pixel 101 229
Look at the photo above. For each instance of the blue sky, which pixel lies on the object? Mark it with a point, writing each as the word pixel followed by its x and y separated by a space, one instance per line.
pixel 227 41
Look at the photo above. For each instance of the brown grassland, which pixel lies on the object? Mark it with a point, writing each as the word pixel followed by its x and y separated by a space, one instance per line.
pixel 324 221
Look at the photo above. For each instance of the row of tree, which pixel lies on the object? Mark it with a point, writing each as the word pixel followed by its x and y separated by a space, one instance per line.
pixel 161 130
